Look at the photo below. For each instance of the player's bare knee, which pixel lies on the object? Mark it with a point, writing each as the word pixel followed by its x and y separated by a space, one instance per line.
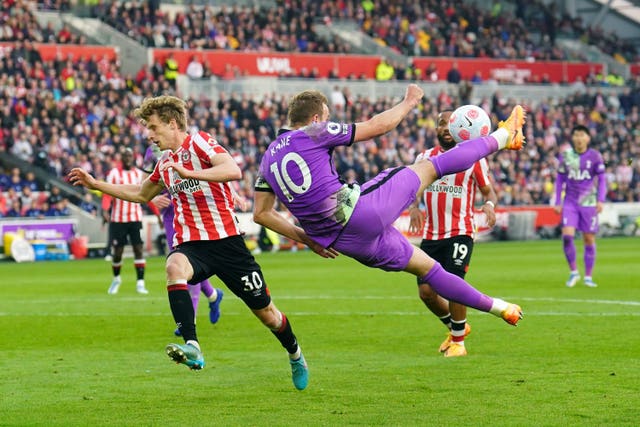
pixel 174 270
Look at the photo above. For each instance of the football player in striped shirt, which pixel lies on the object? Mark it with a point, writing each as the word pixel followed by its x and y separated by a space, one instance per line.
pixel 163 203
pixel 125 223
pixel 197 171
pixel 449 232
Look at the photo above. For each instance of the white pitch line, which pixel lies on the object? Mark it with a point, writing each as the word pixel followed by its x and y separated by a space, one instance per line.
pixel 327 313
pixel 141 299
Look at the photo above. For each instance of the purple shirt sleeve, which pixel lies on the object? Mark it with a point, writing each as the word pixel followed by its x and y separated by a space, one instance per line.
pixel 602 187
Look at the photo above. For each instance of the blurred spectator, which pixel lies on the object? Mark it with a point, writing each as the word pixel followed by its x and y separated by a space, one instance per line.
pixel 453 75
pixel 195 69
pixel 31 181
pixel 62 207
pixel 384 70
pixel 88 205
pixel 171 68
pixel 15 180
pixel 431 73
pixel 15 211
pixel 54 195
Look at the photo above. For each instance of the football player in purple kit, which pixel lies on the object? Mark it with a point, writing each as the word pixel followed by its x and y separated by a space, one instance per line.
pixel 578 169
pixel 163 202
pixel 357 220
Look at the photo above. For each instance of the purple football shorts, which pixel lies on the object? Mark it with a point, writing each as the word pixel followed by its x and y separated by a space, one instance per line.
pixel 369 236
pixel 583 218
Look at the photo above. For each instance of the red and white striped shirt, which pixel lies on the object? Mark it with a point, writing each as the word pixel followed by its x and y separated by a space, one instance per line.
pixel 450 199
pixel 203 210
pixel 122 210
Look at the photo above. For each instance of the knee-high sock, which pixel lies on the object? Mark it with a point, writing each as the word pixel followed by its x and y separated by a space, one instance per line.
pixel 206 288
pixel 182 310
pixel 456 289
pixel 464 155
pixel 589 259
pixel 194 293
pixel 139 264
pixel 285 335
pixel 570 251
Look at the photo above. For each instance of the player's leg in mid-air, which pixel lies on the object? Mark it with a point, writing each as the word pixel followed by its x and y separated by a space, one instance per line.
pixel 371 238
pixel 231 261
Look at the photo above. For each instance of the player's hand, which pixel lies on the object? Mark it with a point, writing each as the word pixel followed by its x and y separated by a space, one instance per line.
pixel 557 209
pixel 177 167
pixel 490 213
pixel 79 176
pixel 161 201
pixel 413 94
pixel 599 207
pixel 240 202
pixel 416 223
pixel 322 251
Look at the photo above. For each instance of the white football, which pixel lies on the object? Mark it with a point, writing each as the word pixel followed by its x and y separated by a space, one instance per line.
pixel 469 122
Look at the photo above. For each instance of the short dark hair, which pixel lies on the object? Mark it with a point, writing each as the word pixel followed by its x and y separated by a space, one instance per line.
pixel 304 106
pixel 580 128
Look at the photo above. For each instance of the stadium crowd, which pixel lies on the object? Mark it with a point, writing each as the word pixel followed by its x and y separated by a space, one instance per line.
pixel 66 112
pixel 508 30
pixel 79 114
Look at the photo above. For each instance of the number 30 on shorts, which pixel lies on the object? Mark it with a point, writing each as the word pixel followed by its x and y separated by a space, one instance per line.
pixel 252 282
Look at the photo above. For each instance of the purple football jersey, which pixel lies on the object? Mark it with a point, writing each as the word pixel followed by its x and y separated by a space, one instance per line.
pixel 578 173
pixel 299 169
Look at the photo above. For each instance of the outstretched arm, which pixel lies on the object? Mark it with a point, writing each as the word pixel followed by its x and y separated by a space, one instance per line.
pixel 131 192
pixel 389 119
pixel 264 213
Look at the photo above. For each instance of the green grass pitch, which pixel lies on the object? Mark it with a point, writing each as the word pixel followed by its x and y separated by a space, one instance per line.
pixel 74 356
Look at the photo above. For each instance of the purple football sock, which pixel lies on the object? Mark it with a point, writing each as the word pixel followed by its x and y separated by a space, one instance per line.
pixel 589 259
pixel 456 289
pixel 194 292
pixel 570 251
pixel 464 155
pixel 206 288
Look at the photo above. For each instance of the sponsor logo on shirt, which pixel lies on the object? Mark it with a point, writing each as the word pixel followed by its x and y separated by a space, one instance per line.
pixel 443 187
pixel 579 175
pixel 180 185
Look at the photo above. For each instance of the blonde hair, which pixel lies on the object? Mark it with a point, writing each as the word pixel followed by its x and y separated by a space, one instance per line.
pixel 304 106
pixel 166 107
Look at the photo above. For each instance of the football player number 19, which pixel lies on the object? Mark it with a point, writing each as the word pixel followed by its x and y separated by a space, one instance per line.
pixel 284 180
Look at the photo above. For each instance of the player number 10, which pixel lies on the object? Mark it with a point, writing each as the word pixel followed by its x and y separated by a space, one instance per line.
pixel 286 184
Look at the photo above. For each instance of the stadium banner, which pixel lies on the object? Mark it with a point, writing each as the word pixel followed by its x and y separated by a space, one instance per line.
pixel 275 64
pixel 49 51
pixel 41 229
pixel 613 219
